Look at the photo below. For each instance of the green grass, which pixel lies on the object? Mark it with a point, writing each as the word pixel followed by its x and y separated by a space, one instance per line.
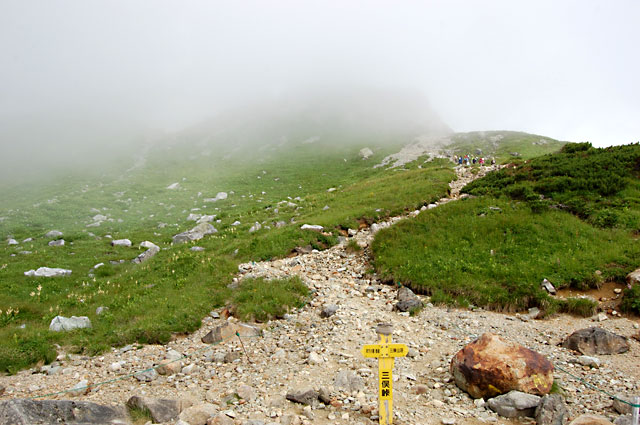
pixel 262 300
pixel 170 293
pixel 495 253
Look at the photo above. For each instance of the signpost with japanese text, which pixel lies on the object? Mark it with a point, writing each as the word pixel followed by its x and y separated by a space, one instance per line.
pixel 386 352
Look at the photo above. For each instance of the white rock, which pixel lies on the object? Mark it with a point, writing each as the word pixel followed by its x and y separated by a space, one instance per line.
pixel 121 242
pixel 61 323
pixel 48 272
pixel 173 186
pixel 314 227
pixel 315 358
pixel 12 242
pixel 58 242
pixel 53 234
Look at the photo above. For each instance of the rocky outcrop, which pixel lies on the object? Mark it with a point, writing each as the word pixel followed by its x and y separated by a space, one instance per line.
pixel 491 366
pixel 592 341
pixel 60 323
pixel 633 278
pixel 197 233
pixel 30 412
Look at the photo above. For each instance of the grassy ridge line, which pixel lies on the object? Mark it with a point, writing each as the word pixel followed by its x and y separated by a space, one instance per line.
pixel 172 292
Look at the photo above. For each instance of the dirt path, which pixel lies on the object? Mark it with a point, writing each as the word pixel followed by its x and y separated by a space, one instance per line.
pixel 305 350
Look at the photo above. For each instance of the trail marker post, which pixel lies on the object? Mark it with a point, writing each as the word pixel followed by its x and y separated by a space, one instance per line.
pixel 386 352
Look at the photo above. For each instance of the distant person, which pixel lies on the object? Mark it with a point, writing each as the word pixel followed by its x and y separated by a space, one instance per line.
pixel 475 160
pixel 493 161
pixel 459 160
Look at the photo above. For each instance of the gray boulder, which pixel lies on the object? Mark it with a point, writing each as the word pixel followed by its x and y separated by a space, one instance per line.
pixel 53 234
pixel 514 404
pixel 60 323
pixel 548 286
pixel 219 197
pixel 12 242
pixel 594 340
pixel 147 376
pixel 197 233
pixel 30 412
pixel 58 242
pixel 552 410
pixel 407 300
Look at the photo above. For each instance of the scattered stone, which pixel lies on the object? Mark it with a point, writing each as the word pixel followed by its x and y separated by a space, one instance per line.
pixel 232 356
pixel 314 227
pixel 589 361
pixel 53 234
pixel 147 376
pixel 197 233
pixel 60 323
pixel 514 404
pixel 228 330
pixel 328 310
pixel 315 358
pixel 220 419
pixel 219 197
pixel 601 317
pixel 348 380
pixel 448 421
pixel 622 408
pixel 121 242
pixel 236 223
pixel 245 392
pixel 173 186
pixel 152 250
pixel 101 310
pixel 29 412
pixel 196 249
pixel 161 410
pixel 365 153
pixel 48 272
pixel 307 396
pixel 199 414
pixel 551 411
pixel 587 419
pixel 256 226
pixel 407 300
pixel 624 420
pixel 81 388
pixel 633 278
pixel 491 366
pixel 15 242
pixel 591 341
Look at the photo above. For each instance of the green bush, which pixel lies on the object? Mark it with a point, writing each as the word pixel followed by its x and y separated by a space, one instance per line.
pixel 583 307
pixel 631 300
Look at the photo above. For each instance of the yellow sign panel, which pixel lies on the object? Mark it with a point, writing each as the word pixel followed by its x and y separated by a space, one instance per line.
pixel 384 350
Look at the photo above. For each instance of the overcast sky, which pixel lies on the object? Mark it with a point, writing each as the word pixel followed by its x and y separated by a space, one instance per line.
pixel 106 70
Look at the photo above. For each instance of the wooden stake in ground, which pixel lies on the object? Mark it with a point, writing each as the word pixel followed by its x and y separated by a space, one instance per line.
pixel 386 352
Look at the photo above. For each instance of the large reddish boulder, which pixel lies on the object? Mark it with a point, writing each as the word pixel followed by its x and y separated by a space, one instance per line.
pixel 491 366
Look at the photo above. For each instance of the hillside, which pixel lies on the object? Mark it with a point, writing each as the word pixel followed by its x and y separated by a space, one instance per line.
pixel 570 217
pixel 267 201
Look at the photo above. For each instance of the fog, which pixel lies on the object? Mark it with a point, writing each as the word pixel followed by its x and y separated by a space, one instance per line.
pixel 83 80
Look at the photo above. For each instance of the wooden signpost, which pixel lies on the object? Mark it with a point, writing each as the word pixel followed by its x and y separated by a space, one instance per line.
pixel 386 352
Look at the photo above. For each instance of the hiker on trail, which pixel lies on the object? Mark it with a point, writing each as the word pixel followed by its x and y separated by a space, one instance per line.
pixel 475 160
pixel 493 161
pixel 459 160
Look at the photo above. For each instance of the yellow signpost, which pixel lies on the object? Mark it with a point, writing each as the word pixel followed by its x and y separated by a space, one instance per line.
pixel 386 352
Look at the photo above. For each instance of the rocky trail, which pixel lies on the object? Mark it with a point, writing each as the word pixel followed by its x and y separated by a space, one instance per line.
pixel 246 380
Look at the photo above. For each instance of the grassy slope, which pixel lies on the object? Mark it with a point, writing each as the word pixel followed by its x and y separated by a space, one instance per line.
pixel 174 290
pixel 448 251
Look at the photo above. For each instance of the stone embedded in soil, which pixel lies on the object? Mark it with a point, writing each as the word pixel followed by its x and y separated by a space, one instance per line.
pixel 591 341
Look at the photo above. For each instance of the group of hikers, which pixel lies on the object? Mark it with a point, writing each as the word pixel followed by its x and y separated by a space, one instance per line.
pixel 468 160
